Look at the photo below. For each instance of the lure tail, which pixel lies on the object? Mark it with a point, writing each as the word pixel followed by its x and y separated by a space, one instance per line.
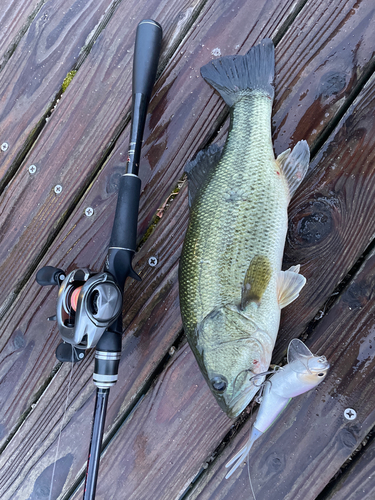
pixel 237 76
pixel 242 454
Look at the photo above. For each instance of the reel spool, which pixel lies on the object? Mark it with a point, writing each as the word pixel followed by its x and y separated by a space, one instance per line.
pixel 88 303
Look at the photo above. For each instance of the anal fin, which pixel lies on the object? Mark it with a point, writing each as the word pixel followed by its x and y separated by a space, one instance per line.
pixel 289 285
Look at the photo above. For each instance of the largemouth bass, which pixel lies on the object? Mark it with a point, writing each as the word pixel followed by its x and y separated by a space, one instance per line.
pixel 304 372
pixel 231 284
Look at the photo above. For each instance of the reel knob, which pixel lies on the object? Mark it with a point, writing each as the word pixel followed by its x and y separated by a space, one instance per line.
pixel 49 276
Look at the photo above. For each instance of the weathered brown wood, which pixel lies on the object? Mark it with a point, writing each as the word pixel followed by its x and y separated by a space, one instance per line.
pixel 357 482
pixel 93 256
pixel 339 336
pixel 99 94
pixel 15 16
pixel 81 243
pixel 33 77
pixel 331 219
pixel 332 48
pixel 312 439
pixel 157 452
pixel 73 252
pixel 148 339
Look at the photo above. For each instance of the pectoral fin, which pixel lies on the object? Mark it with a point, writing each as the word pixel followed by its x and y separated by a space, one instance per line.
pixel 289 285
pixel 294 165
pixel 197 170
pixel 256 280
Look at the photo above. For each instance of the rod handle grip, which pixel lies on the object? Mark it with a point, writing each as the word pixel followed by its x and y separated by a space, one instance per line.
pixel 146 57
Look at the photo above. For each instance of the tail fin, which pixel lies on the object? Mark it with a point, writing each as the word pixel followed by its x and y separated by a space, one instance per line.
pixel 236 76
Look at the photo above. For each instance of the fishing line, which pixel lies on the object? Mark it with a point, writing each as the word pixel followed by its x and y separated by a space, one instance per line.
pixel 62 424
pixel 248 463
pixel 248 472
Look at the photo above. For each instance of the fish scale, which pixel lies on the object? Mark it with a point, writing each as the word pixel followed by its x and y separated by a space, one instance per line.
pixel 229 277
pixel 238 230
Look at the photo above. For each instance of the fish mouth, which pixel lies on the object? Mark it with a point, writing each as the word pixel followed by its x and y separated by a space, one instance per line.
pixel 239 402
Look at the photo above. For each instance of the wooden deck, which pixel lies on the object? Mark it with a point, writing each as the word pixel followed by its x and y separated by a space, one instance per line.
pixel 166 438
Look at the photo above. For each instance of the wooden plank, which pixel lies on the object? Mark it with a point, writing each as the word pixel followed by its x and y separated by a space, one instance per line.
pixel 149 337
pixel 330 43
pixel 99 94
pixel 93 231
pixel 76 253
pixel 357 482
pixel 72 250
pixel 158 450
pixel 34 76
pixel 288 449
pixel 15 17
pixel 312 439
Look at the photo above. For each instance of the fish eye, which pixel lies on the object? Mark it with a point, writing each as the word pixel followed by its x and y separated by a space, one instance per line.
pixel 219 383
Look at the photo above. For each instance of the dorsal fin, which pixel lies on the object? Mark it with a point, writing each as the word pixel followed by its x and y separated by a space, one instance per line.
pixel 294 165
pixel 256 280
pixel 197 170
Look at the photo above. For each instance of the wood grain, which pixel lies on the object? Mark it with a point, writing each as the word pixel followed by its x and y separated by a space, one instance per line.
pixel 324 54
pixel 33 77
pixel 156 453
pixel 331 219
pixel 357 482
pixel 82 243
pixel 304 449
pixel 100 93
pixel 15 17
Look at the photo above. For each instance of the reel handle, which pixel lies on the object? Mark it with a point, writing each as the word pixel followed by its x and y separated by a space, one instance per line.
pixel 50 276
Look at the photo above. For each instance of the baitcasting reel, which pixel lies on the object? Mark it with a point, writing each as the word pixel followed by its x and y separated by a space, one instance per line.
pixel 88 303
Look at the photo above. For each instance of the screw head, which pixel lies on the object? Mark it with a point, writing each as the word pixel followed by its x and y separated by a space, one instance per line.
pixel 81 355
pixel 89 212
pixel 152 261
pixel 57 189
pixel 32 169
pixel 350 414
pixel 4 146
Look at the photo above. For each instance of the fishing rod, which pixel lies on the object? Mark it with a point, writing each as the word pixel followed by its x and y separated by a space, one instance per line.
pixel 89 305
